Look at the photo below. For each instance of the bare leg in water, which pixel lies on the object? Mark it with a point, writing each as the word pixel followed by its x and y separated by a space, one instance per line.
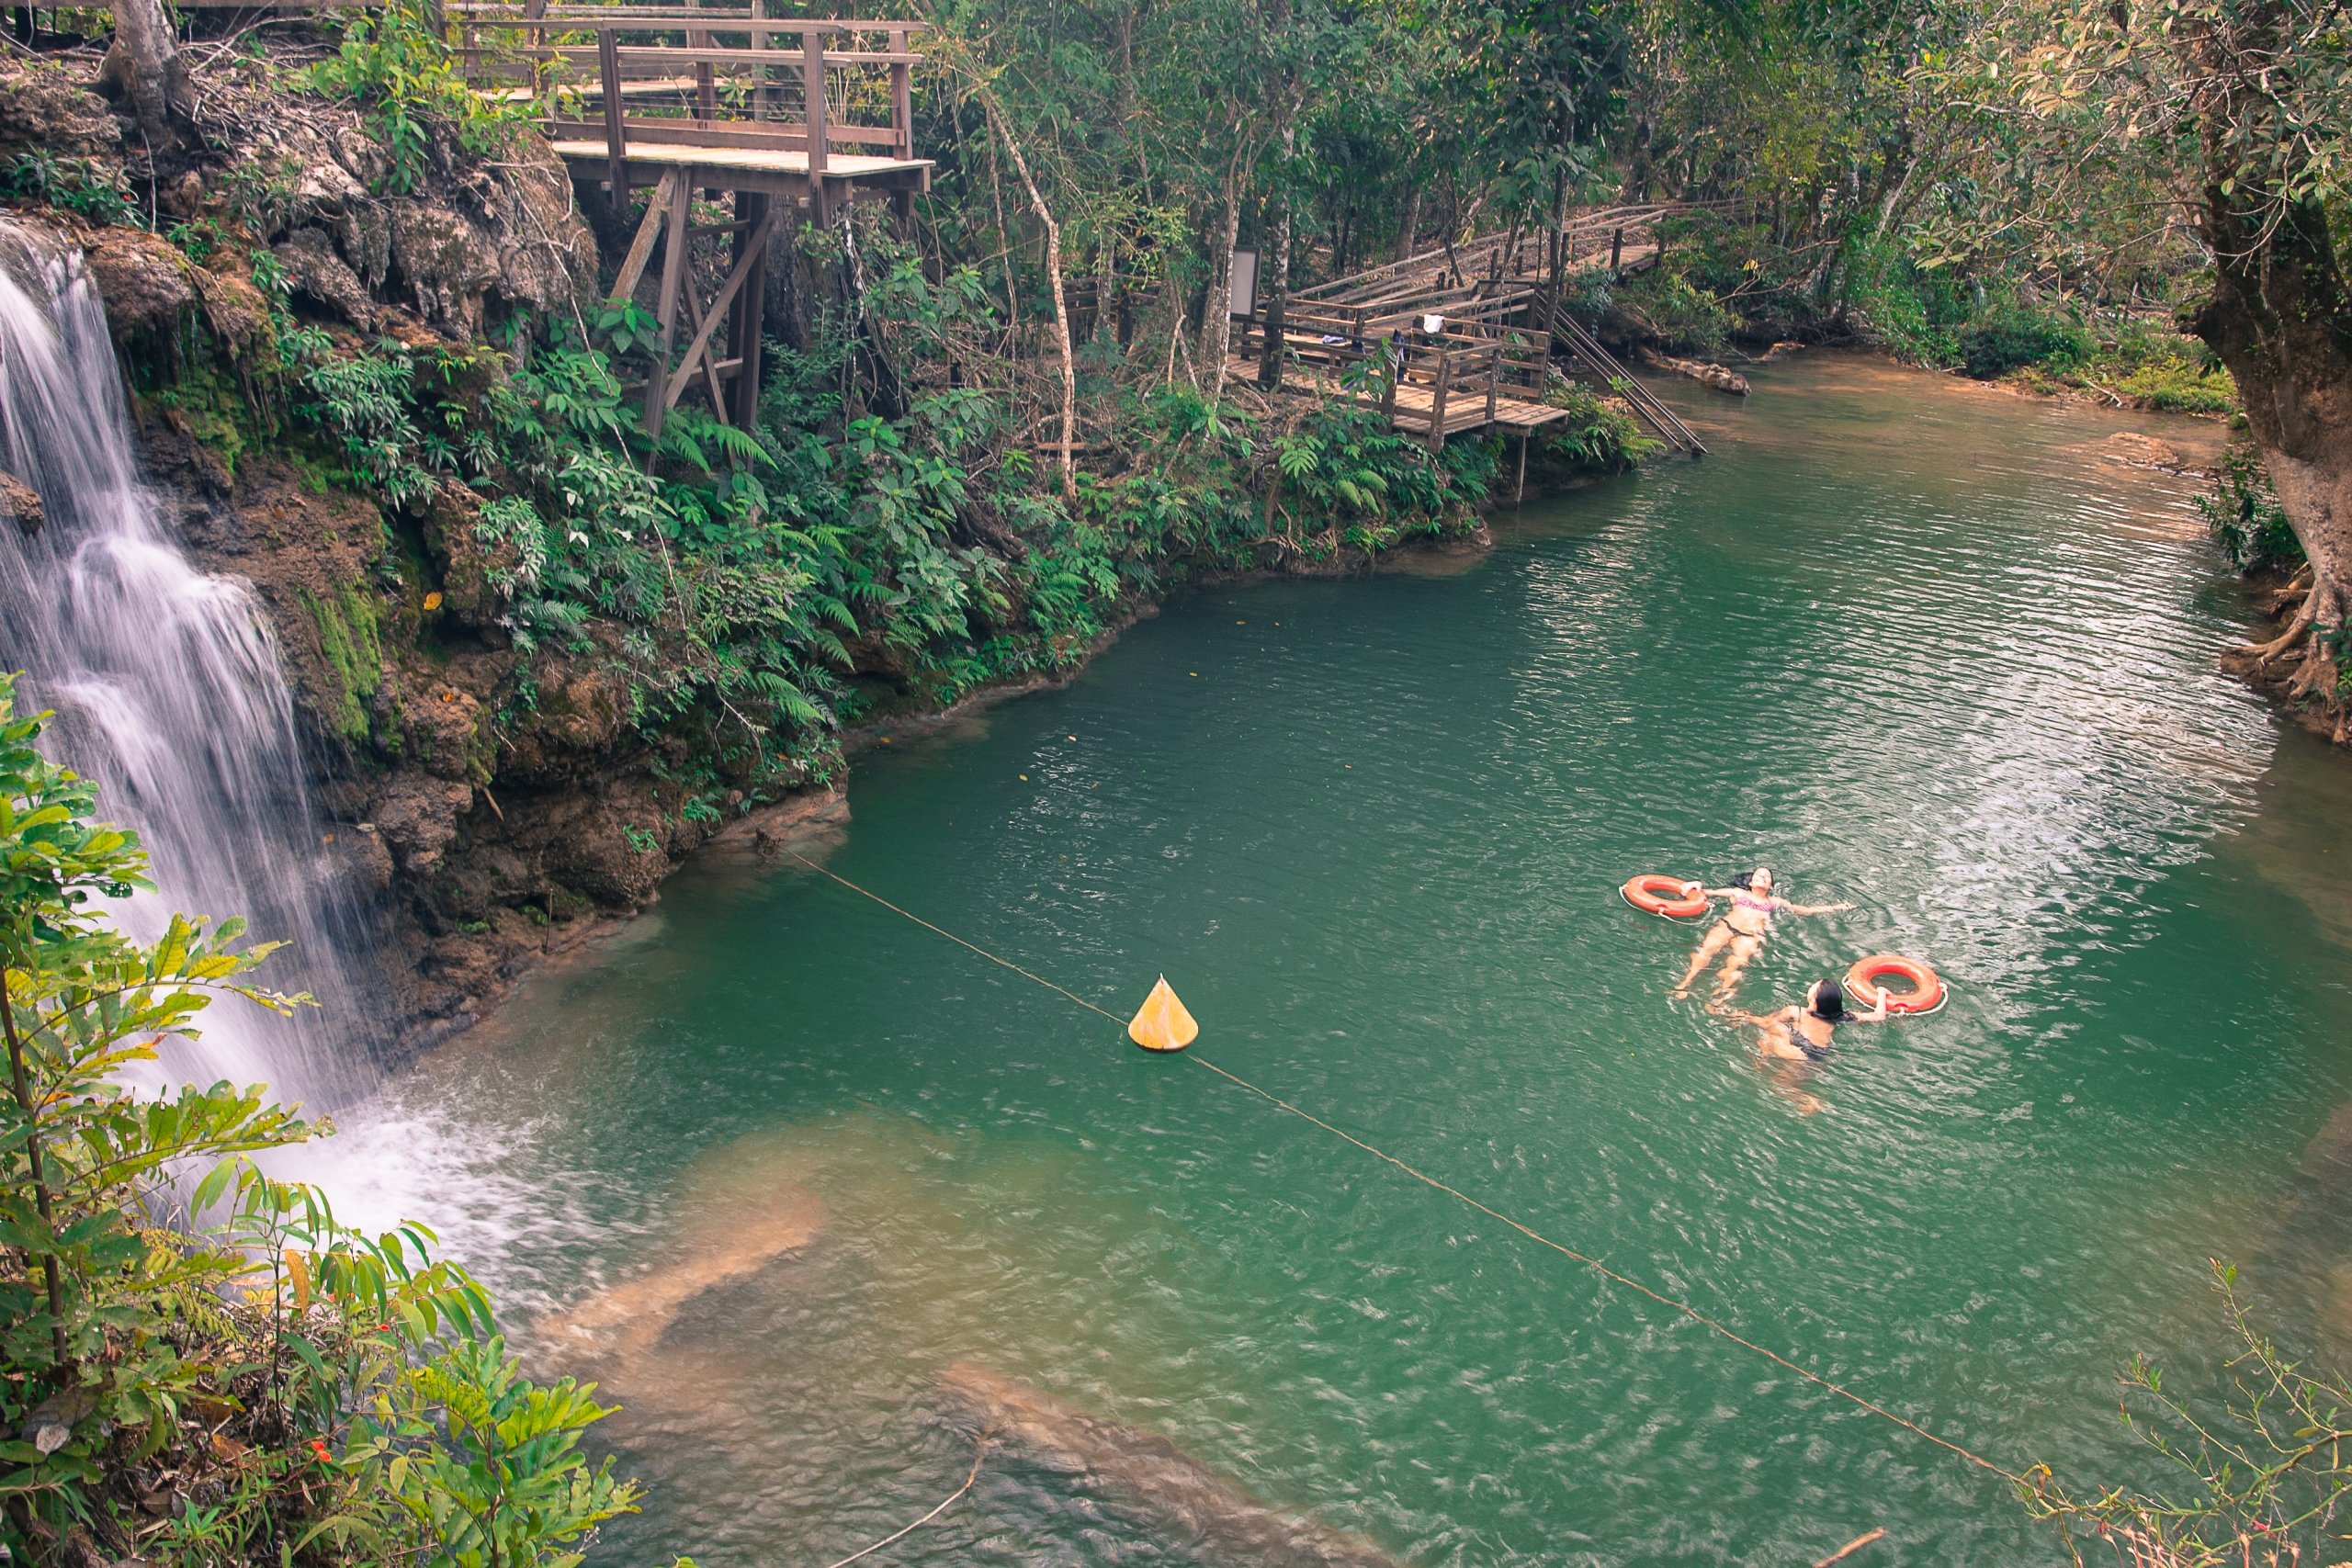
pixel 1744 949
pixel 1717 935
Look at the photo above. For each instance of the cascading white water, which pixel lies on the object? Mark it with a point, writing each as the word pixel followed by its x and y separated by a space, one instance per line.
pixel 168 694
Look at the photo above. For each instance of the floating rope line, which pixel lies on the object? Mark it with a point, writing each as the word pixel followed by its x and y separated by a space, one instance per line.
pixel 1594 1264
pixel 887 1539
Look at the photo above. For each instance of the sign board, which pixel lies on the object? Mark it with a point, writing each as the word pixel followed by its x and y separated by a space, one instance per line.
pixel 1245 284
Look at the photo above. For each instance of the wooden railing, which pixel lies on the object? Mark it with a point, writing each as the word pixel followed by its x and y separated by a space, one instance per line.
pixel 620 57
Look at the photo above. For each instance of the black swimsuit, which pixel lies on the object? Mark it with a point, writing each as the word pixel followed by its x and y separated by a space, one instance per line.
pixel 1796 1037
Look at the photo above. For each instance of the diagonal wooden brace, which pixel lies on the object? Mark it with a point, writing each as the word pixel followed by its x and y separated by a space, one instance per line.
pixel 754 249
pixel 640 250
pixel 709 362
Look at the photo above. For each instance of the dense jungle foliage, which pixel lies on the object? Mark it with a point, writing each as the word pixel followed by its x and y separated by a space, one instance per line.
pixel 198 1363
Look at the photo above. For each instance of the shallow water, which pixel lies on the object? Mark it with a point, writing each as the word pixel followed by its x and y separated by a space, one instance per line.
pixel 1918 646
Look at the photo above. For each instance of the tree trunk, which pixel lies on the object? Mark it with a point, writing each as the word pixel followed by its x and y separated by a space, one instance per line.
pixel 1061 304
pixel 1217 317
pixel 1269 364
pixel 2281 321
pixel 144 63
pixel 1410 225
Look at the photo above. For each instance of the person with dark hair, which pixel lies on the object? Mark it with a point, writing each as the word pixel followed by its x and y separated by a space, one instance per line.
pixel 1794 1042
pixel 1742 929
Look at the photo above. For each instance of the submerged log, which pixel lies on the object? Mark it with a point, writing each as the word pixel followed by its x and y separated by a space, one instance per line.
pixel 1196 1506
pixel 1714 376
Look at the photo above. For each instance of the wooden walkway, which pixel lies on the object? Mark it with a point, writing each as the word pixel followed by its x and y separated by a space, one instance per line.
pixel 1471 335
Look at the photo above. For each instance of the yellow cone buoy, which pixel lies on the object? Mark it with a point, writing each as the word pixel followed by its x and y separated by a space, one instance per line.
pixel 1161 1023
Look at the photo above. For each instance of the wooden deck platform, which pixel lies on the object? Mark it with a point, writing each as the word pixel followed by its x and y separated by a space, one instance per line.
pixel 773 171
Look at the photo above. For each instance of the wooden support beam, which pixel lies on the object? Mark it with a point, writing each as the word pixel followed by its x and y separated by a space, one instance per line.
pixel 753 210
pixel 1437 400
pixel 902 112
pixel 762 98
pixel 640 250
pixel 813 77
pixel 616 143
pixel 659 395
pixel 709 365
pixel 678 379
pixel 1493 381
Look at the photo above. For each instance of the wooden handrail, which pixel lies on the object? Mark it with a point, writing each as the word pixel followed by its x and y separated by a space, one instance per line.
pixel 639 53
pixel 712 18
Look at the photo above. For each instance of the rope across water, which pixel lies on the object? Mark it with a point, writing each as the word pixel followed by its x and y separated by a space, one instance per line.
pixel 1532 1235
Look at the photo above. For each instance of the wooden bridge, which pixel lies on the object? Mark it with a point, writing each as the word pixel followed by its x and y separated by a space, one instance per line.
pixel 1488 363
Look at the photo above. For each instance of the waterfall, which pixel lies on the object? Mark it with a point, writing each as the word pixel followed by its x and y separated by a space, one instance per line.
pixel 168 696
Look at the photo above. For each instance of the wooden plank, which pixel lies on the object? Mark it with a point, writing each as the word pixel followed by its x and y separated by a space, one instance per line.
pixel 640 250
pixel 679 378
pixel 726 19
pixel 691 133
pixel 673 274
pixel 701 55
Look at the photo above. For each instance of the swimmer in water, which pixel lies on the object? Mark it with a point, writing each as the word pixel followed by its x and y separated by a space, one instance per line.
pixel 1793 1043
pixel 1742 929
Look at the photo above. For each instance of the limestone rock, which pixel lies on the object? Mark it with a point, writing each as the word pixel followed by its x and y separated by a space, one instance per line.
pixel 43 106
pixel 440 723
pixel 234 307
pixel 444 260
pixel 416 813
pixel 315 271
pixel 142 278
pixel 20 503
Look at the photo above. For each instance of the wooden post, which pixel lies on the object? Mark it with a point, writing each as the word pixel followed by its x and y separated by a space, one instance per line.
pixel 673 274
pixel 1616 248
pixel 813 77
pixel 1392 367
pixel 1522 467
pixel 763 106
pixel 705 88
pixel 748 316
pixel 609 64
pixel 1437 400
pixel 902 103
pixel 1494 380
pixel 537 10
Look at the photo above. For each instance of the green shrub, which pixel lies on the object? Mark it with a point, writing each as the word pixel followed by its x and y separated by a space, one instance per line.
pixel 2020 336
pixel 2181 385
pixel 2244 513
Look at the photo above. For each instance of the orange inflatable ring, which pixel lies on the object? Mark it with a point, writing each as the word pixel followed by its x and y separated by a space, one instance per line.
pixel 1668 895
pixel 1926 992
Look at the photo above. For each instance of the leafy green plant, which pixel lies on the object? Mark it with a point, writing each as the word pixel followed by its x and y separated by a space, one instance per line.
pixel 138 1337
pixel 393 62
pixel 2020 336
pixel 2244 513
pixel 98 191
pixel 2264 1476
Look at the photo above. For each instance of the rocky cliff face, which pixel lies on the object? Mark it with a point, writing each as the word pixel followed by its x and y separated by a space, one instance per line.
pixel 489 840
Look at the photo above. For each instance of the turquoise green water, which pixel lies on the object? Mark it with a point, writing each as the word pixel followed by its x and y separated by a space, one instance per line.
pixel 1911 646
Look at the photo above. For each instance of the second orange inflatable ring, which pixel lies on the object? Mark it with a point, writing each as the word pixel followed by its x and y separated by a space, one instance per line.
pixel 1863 982
pixel 1668 895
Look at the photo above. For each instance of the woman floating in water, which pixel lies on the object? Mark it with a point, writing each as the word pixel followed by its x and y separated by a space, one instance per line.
pixel 1793 1043
pixel 1742 929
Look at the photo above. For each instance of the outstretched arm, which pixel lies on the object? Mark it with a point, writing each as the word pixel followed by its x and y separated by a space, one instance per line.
pixel 1814 908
